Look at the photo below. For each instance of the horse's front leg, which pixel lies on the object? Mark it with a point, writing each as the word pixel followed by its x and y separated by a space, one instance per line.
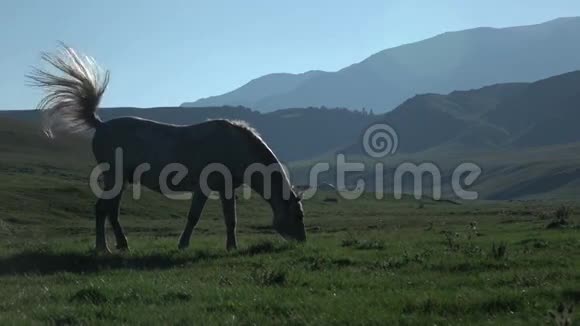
pixel 120 237
pixel 229 210
pixel 197 204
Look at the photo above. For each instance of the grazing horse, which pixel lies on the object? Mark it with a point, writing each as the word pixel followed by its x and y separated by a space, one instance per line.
pixel 72 99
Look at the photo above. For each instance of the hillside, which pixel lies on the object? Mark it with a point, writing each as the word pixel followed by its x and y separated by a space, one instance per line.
pixel 498 117
pixel 20 139
pixel 542 172
pixel 251 93
pixel 523 135
pixel 30 163
pixel 451 61
pixel 293 134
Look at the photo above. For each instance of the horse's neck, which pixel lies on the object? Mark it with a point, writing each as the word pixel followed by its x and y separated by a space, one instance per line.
pixel 274 187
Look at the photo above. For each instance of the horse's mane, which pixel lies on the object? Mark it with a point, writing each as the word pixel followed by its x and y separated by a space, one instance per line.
pixel 261 147
pixel 246 126
pixel 255 138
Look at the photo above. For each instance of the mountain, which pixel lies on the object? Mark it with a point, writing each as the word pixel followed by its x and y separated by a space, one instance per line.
pixel 451 61
pixel 498 117
pixel 250 94
pixel 524 136
pixel 293 134
pixel 544 113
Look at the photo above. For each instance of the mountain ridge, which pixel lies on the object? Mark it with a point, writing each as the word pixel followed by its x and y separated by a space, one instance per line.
pixel 449 61
pixel 501 116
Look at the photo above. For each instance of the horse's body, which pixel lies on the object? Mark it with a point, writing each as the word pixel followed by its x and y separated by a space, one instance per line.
pixel 231 144
pixel 148 148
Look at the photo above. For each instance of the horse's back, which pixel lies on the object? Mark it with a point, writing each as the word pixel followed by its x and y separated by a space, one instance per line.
pixel 138 139
pixel 158 145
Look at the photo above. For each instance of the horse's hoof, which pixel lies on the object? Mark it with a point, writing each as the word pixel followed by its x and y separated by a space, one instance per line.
pixel 103 251
pixel 182 246
pixel 123 248
pixel 231 247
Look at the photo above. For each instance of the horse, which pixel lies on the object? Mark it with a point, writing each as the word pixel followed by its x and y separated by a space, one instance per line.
pixel 71 101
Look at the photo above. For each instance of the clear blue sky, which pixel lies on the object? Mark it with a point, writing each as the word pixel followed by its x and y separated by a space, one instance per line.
pixel 167 52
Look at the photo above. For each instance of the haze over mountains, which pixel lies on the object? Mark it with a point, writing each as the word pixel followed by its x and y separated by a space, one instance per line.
pixel 451 61
pixel 523 131
pixel 498 117
pixel 524 135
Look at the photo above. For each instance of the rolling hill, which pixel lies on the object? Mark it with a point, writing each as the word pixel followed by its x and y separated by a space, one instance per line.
pixel 523 135
pixel 27 155
pixel 451 61
pixel 499 117
pixel 294 134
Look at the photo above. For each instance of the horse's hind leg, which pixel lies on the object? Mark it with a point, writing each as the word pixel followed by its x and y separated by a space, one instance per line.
pixel 114 220
pixel 229 210
pixel 109 208
pixel 197 204
pixel 101 211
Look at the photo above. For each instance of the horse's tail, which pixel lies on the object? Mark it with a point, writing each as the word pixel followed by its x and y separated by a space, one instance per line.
pixel 73 93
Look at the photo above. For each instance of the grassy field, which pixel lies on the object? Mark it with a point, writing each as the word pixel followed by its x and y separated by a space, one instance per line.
pixel 365 262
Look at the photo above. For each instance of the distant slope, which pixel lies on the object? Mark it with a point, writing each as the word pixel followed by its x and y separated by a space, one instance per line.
pixel 451 61
pixel 251 93
pixel 545 113
pixel 293 133
pixel 21 137
pixel 26 152
pixel 502 116
pixel 545 172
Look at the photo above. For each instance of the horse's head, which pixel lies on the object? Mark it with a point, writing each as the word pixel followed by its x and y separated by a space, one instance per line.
pixel 289 220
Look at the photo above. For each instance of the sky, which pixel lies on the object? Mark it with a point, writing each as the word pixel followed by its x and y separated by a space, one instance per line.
pixel 163 53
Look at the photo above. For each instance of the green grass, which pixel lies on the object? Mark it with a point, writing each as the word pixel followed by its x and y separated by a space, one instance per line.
pixel 365 261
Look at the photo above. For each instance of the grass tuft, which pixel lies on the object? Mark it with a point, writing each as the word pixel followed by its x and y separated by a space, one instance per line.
pixel 89 295
pixel 499 251
pixel 561 218
pixel 171 297
pixel 269 277
pixel 363 244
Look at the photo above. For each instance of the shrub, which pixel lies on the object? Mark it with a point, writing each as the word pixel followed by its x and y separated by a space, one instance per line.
pixel 451 240
pixel 350 242
pixel 499 251
pixel 561 217
pixel 269 277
